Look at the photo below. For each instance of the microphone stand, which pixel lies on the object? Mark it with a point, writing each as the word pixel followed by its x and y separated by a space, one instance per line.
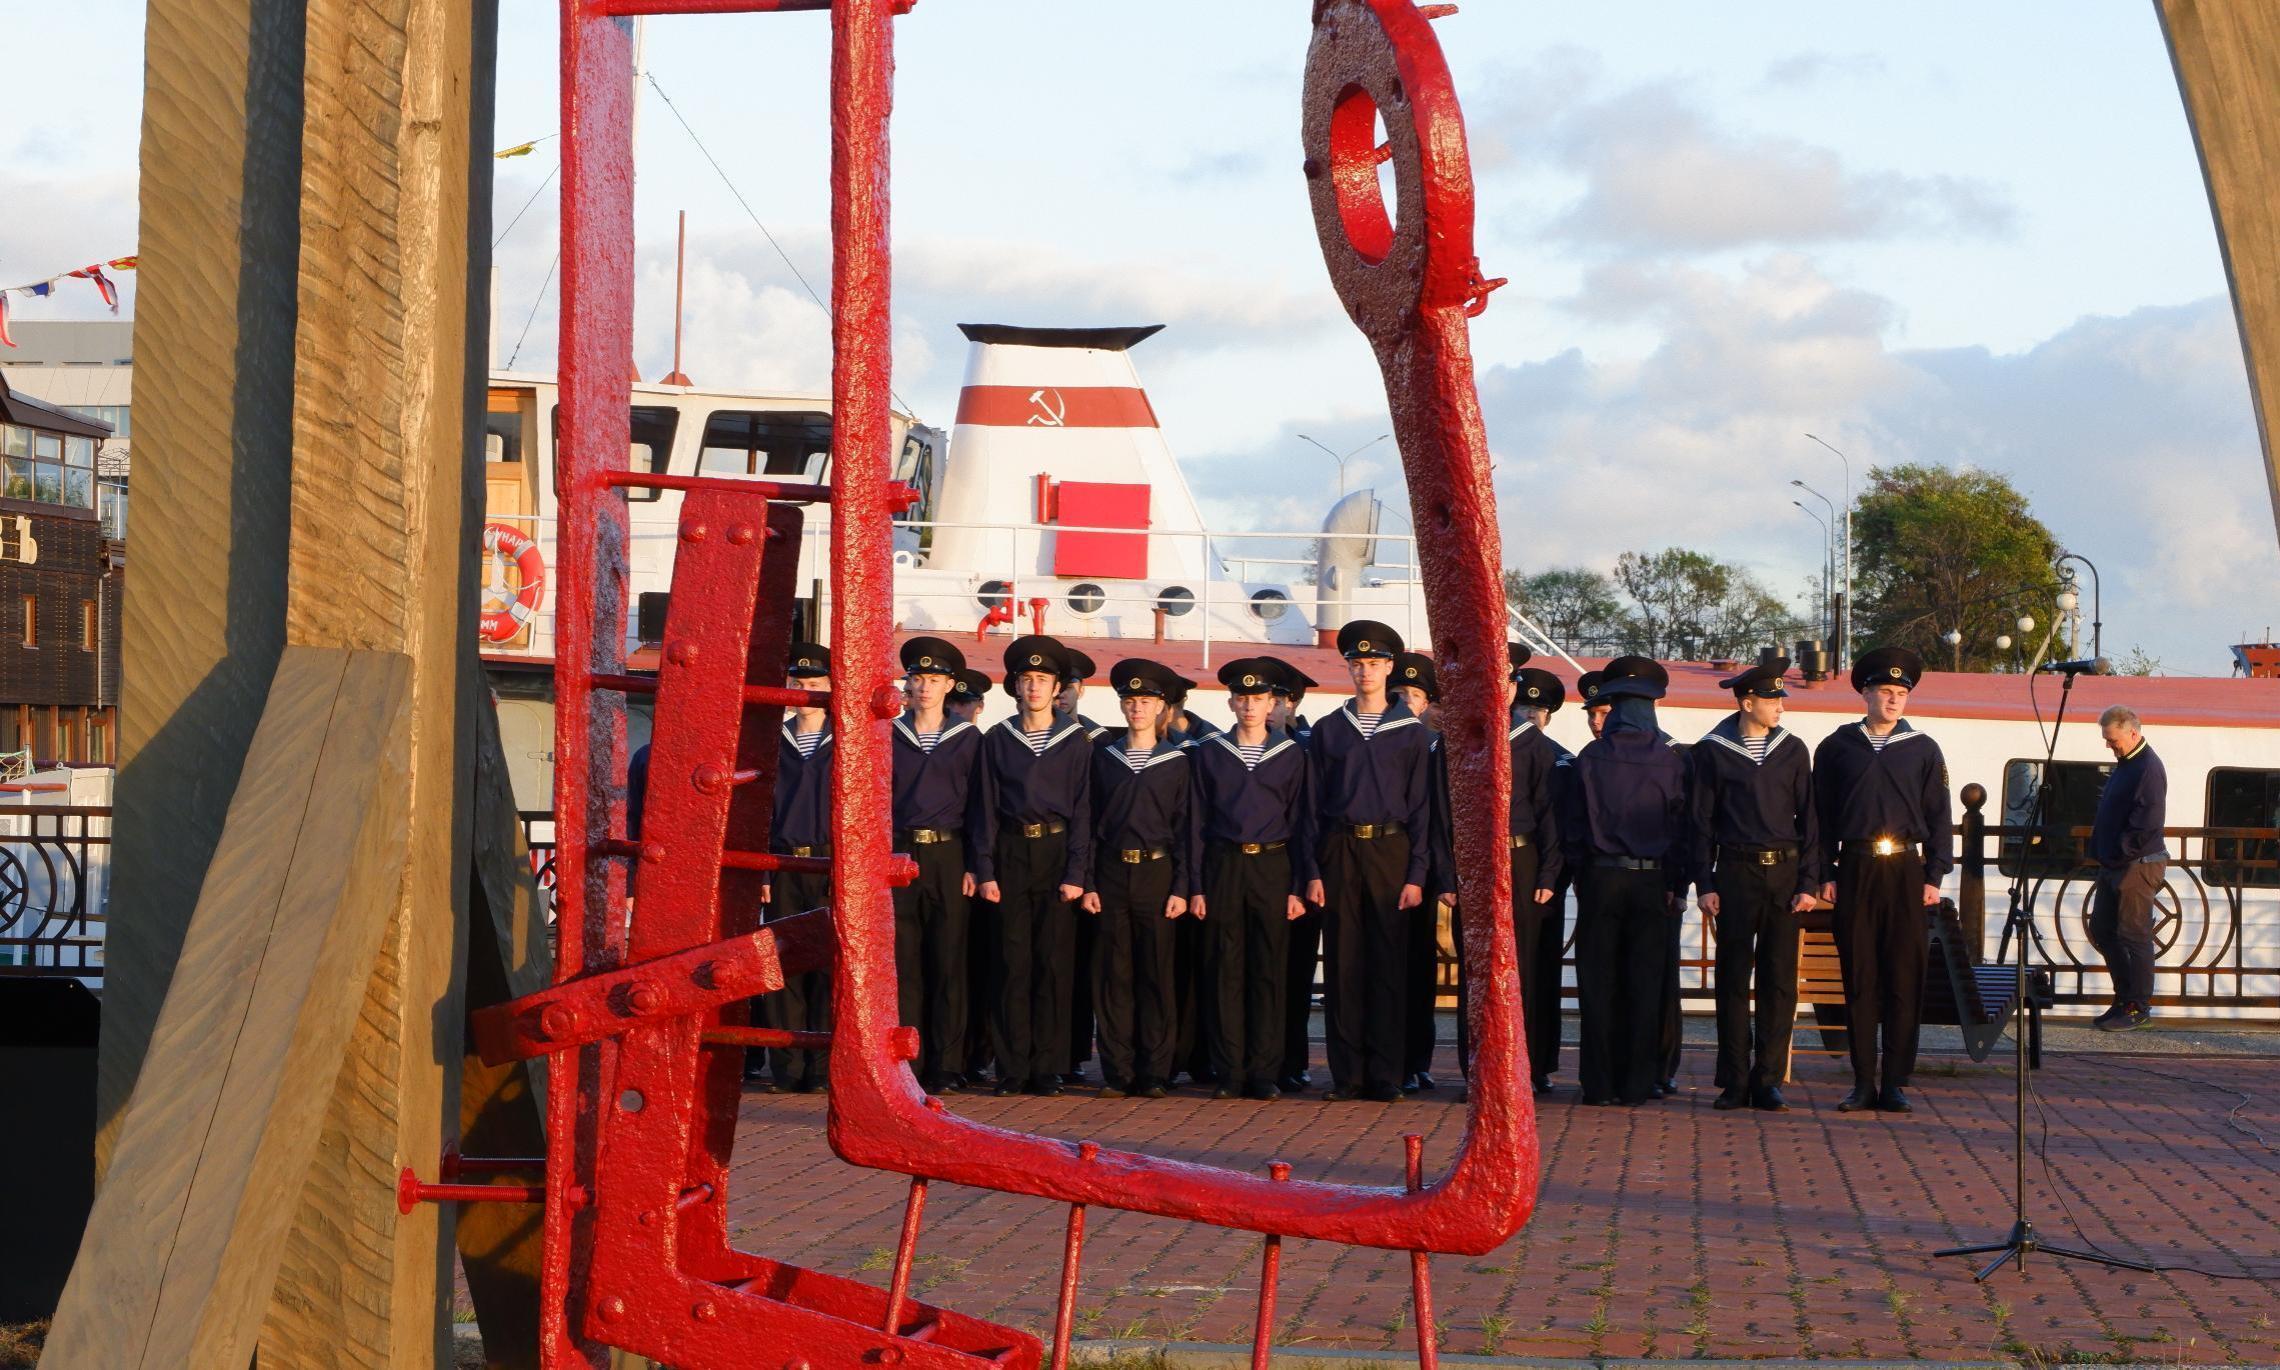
pixel 2020 922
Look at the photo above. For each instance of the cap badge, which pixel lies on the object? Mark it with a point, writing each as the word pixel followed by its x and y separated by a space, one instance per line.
pixel 1410 671
pixel 1249 681
pixel 1533 692
pixel 1363 645
pixel 1036 660
pixel 1895 672
pixel 926 661
pixel 1133 683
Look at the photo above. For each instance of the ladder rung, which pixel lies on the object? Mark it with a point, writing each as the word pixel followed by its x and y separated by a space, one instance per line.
pixel 753 694
pixel 722 485
pixel 784 1039
pixel 639 7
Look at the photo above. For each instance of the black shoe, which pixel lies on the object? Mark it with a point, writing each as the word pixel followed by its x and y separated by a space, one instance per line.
pixel 1341 1094
pixel 1425 1082
pixel 1543 1086
pixel 1381 1094
pixel 1045 1087
pixel 2135 1017
pixel 1290 1084
pixel 1670 1085
pixel 1892 1100
pixel 1003 1088
pixel 1111 1092
pixel 1222 1092
pixel 1305 1078
pixel 1856 1101
pixel 1155 1091
pixel 1409 1084
pixel 1598 1101
pixel 2105 1022
pixel 1730 1098
pixel 933 1084
pixel 1656 1092
pixel 1767 1099
pixel 1262 1092
pixel 1072 1077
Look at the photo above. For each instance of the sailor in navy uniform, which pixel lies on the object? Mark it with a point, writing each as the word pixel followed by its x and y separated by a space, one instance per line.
pixel 1626 832
pixel 936 761
pixel 1670 1032
pixel 1291 685
pixel 1537 695
pixel 968 690
pixel 1076 669
pixel 1417 682
pixel 1303 945
pixel 801 827
pixel 1594 708
pixel 1886 843
pixel 1033 854
pixel 1253 807
pixel 1143 853
pixel 1756 864
pixel 1374 845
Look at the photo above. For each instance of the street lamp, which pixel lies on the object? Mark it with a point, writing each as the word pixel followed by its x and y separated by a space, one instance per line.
pixel 1847 632
pixel 2097 612
pixel 1828 565
pixel 1953 637
pixel 1344 459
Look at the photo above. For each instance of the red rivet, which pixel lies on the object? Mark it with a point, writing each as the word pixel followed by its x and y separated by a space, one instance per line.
pixel 557 1020
pixel 693 532
pixel 740 533
pixel 890 1355
pixel 681 653
pixel 705 1311
pixel 709 778
pixel 652 851
pixel 886 702
pixel 1278 1170
pixel 644 998
pixel 1087 1150
pixel 645 1219
pixel 612 1308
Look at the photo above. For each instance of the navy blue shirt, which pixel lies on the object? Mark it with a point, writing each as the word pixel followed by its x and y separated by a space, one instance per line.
pixel 1383 778
pixel 1901 792
pixel 1142 810
pixel 803 792
pixel 1016 785
pixel 1535 811
pixel 935 789
pixel 1736 800
pixel 636 785
pixel 1629 800
pixel 1272 802
pixel 2131 811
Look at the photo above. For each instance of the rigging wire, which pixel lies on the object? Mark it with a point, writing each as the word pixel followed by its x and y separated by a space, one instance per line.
pixel 534 304
pixel 722 172
pixel 542 185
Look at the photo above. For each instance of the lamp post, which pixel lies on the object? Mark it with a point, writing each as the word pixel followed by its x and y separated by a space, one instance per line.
pixel 1828 566
pixel 2074 610
pixel 1847 629
pixel 1344 459
pixel 1953 637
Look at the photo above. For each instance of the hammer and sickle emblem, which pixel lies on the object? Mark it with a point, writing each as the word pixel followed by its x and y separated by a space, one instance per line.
pixel 1052 410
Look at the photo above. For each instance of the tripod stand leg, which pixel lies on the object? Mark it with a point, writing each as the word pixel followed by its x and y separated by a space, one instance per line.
pixel 2015 1253
pixel 2119 1262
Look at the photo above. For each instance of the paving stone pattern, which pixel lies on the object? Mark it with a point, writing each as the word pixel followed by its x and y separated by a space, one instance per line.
pixel 1671 1230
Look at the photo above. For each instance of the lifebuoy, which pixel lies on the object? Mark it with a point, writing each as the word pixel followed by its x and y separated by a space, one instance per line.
pixel 506 615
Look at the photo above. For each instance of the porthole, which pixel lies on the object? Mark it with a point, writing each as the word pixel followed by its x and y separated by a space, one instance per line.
pixel 1087 599
pixel 1175 599
pixel 994 592
pixel 1270 605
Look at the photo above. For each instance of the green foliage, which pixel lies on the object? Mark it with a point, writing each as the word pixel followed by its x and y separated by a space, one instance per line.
pixel 1574 604
pixel 1671 604
pixel 1941 549
pixel 2138 661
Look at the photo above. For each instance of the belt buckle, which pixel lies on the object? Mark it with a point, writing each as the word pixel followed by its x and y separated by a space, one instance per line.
pixel 803 851
pixel 1033 830
pixel 1130 857
pixel 1888 846
pixel 1365 831
pixel 1769 858
pixel 1251 848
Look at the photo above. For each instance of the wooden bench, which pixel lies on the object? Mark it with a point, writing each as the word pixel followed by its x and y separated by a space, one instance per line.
pixel 1957 993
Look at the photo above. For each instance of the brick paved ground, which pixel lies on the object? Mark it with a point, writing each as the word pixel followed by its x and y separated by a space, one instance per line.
pixel 1670 1230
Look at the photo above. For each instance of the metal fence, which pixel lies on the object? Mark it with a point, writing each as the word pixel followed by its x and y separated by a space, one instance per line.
pixel 54 888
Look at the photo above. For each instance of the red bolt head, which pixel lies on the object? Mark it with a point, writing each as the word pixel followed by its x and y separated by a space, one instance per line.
pixel 886 702
pixel 741 534
pixel 890 1355
pixel 705 1311
pixel 557 1020
pixel 646 1217
pixel 611 1308
pixel 709 778
pixel 1087 1150
pixel 681 653
pixel 903 1042
pixel 652 851
pixel 693 531
pixel 644 998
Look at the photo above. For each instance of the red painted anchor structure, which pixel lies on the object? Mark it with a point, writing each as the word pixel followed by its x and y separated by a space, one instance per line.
pixel 659 945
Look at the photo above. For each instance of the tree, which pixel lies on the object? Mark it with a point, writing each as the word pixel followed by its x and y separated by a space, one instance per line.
pixel 1687 604
pixel 1945 550
pixel 2138 662
pixel 1575 605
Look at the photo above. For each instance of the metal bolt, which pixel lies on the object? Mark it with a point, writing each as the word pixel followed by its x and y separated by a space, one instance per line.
pixel 705 1311
pixel 652 851
pixel 557 1020
pixel 890 1355
pixel 693 532
pixel 681 653
pixel 644 998
pixel 646 1218
pixel 1087 1150
pixel 1278 1170
pixel 709 778
pixel 886 702
pixel 740 534
pixel 612 1308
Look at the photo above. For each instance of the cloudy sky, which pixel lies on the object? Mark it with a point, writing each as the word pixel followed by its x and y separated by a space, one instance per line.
pixel 1965 234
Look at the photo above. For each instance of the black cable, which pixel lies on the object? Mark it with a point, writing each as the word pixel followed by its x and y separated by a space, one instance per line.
pixel 534 304
pixel 542 185
pixel 2050 1178
pixel 719 171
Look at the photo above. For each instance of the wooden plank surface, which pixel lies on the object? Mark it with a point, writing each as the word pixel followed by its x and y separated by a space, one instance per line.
pixel 2227 57
pixel 213 391
pixel 183 1245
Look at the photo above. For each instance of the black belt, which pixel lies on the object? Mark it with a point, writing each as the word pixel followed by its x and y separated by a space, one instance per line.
pixel 1133 856
pixel 819 849
pixel 1254 848
pixel 1045 829
pixel 1624 863
pixel 927 837
pixel 1370 831
pixel 1757 856
pixel 1877 846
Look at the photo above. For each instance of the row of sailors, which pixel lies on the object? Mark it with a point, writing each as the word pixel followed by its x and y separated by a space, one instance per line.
pixel 1165 887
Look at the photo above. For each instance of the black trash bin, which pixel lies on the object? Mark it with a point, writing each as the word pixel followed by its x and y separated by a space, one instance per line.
pixel 48 1028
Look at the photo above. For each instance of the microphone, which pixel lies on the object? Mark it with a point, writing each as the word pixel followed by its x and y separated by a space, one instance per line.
pixel 2096 665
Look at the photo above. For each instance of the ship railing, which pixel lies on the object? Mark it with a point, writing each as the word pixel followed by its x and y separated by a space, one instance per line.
pixel 55 869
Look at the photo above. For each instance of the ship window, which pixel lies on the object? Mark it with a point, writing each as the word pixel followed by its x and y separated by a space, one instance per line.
pixel 769 445
pixel 651 444
pixel 2074 787
pixel 915 468
pixel 2242 798
pixel 1175 599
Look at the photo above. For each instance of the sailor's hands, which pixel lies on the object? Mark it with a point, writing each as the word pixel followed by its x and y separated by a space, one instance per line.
pixel 1708 903
pixel 1543 896
pixel 1411 896
pixel 1931 895
pixel 1803 903
pixel 1449 901
pixel 1092 901
pixel 1828 891
pixel 1297 909
pixel 966 886
pixel 988 889
pixel 1314 893
pixel 1072 892
pixel 767 894
pixel 1175 906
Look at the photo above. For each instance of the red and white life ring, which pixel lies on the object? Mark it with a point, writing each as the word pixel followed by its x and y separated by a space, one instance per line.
pixel 506 616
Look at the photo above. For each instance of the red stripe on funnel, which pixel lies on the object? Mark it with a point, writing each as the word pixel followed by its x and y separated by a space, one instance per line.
pixel 1068 406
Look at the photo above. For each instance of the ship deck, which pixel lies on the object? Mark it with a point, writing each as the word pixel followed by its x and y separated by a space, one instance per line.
pixel 1671 1230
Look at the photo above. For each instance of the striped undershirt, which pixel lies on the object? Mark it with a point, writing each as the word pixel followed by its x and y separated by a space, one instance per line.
pixel 1252 755
pixel 1877 741
pixel 1368 722
pixel 1756 745
pixel 1037 739
pixel 1135 760
pixel 926 741
pixel 807 742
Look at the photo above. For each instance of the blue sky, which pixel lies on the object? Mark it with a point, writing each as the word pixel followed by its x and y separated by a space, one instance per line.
pixel 1956 232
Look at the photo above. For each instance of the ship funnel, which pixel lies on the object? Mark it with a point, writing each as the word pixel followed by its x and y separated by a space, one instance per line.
pixel 1349 542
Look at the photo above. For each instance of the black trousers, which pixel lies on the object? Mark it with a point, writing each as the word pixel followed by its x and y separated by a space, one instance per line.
pixel 1302 958
pixel 1757 939
pixel 1132 990
pixel 2121 926
pixel 1883 941
pixel 1619 948
pixel 1528 922
pixel 1541 990
pixel 1191 986
pixel 1036 953
pixel 1081 993
pixel 804 1003
pixel 1670 1030
pixel 1366 944
pixel 930 954
pixel 1246 940
pixel 1423 987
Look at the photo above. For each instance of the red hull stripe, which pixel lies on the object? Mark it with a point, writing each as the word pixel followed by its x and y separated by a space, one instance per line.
pixel 1068 406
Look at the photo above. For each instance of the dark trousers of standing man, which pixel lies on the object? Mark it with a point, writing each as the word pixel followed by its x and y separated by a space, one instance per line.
pixel 804 1003
pixel 1670 1032
pixel 1366 948
pixel 1424 987
pixel 1245 929
pixel 2121 927
pixel 1081 994
pixel 1619 945
pixel 1036 948
pixel 1132 997
pixel 1302 958
pixel 1528 919
pixel 1757 939
pixel 1541 994
pixel 930 954
pixel 1883 942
